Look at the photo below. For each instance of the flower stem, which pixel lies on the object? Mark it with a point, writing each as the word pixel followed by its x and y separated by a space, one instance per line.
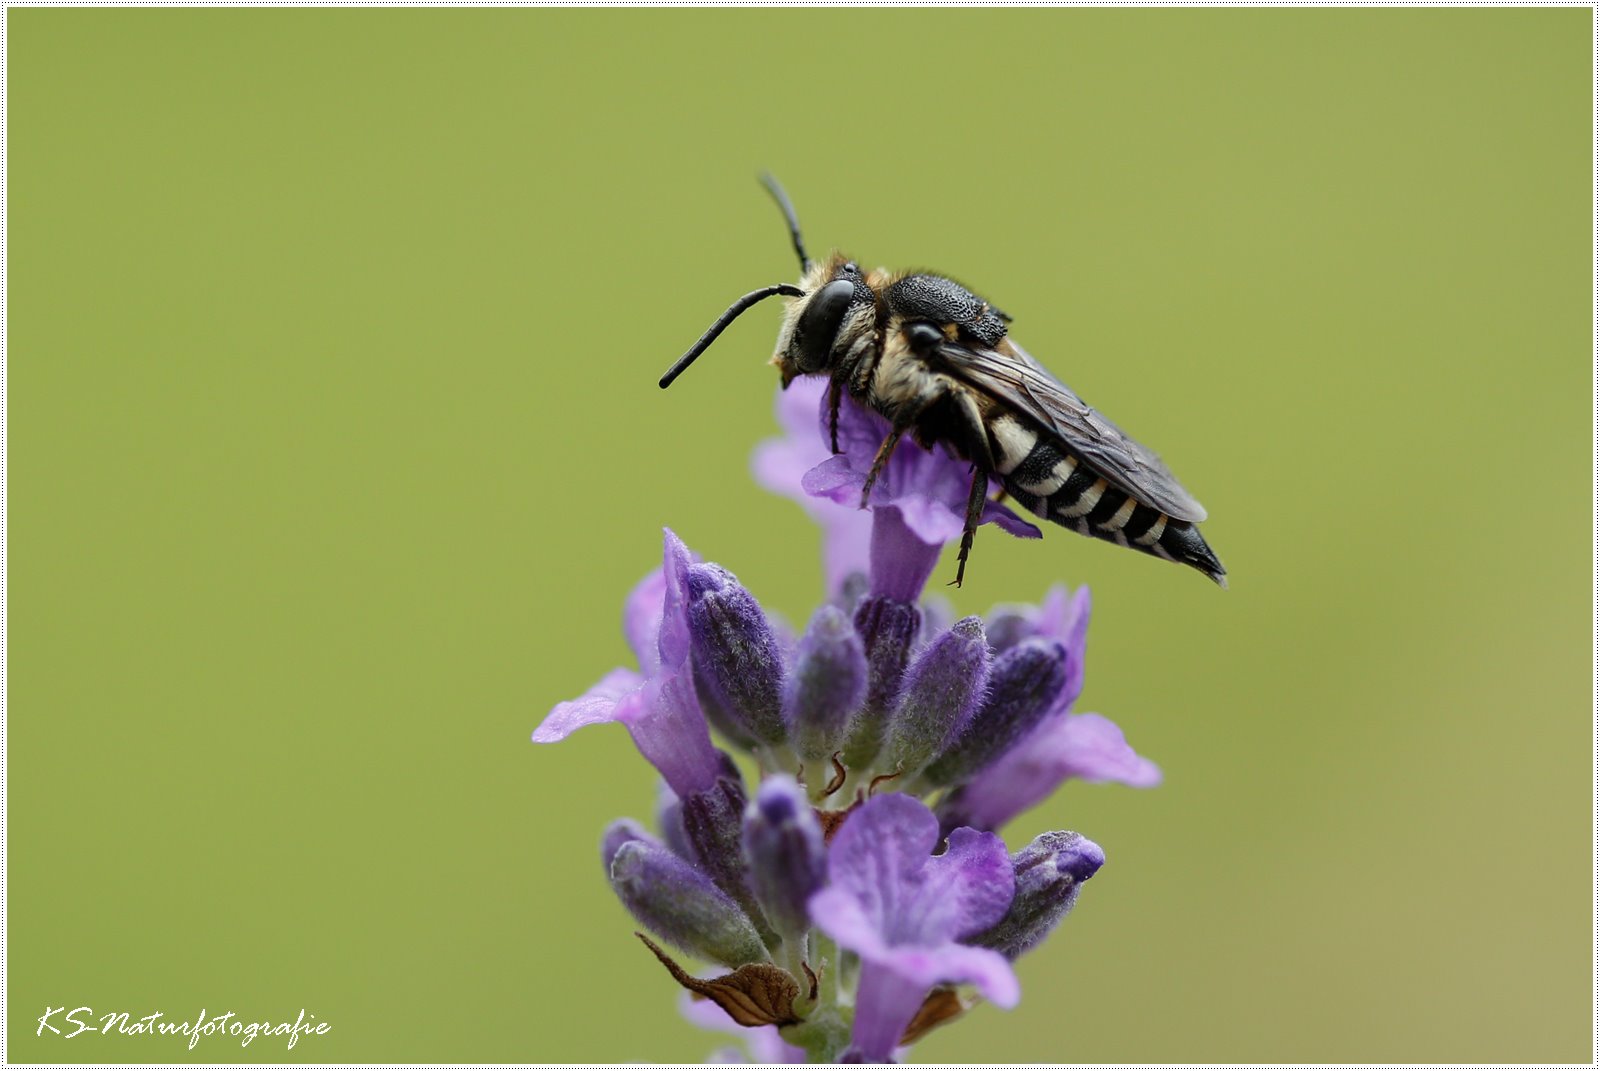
pixel 824 1036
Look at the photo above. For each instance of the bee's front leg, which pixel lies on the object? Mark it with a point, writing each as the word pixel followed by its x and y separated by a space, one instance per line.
pixel 881 460
pixel 975 503
pixel 835 394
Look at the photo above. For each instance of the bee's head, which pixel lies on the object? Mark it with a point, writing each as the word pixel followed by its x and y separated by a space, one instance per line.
pixel 823 323
pixel 829 309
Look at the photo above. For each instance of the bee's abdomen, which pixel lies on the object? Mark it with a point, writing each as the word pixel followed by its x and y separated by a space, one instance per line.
pixel 1056 485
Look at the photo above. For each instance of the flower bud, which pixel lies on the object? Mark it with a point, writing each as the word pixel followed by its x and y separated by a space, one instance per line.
pixel 713 825
pixel 852 589
pixel 1063 617
pixel 1048 873
pixel 941 691
pixel 1024 685
pixel 669 817
pixel 619 833
pixel 887 628
pixel 682 906
pixel 827 686
pixel 783 846
pixel 738 666
pixel 1006 630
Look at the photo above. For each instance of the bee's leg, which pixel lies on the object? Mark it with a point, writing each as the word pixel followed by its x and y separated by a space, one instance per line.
pixel 834 396
pixel 880 461
pixel 975 503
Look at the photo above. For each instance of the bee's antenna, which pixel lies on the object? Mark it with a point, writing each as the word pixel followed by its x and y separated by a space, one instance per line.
pixel 775 188
pixel 724 320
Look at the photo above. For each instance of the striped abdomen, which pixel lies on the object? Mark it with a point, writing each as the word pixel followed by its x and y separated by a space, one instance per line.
pixel 1047 479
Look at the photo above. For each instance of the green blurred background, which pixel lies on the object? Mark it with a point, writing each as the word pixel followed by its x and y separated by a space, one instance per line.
pixel 336 445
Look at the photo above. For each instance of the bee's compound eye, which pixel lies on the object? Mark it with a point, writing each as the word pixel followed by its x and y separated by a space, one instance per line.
pixel 819 324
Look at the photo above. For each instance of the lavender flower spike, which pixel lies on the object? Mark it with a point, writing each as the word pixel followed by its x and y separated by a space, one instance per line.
pixel 680 904
pixel 842 949
pixel 1049 873
pixel 904 911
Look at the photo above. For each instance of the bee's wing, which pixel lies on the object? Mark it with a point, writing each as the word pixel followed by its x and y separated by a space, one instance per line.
pixel 1022 383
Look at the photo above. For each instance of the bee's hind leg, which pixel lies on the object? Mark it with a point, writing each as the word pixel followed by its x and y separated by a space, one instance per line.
pixel 976 500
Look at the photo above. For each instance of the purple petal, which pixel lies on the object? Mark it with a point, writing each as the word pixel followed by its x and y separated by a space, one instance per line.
pixel 928 519
pixel 1085 746
pixel 881 862
pixel 971 883
pixel 614 698
pixel 1090 747
pixel 673 641
pixel 1008 522
pixel 768 1047
pixel 1064 615
pixel 861 430
pixel 890 993
pixel 878 856
pixel 927 488
pixel 780 465
pixel 827 478
pixel 641 620
pixel 899 907
pixel 797 407
pixel 661 711
pixel 706 1014
pixel 885 1005
pixel 846 534
pixel 901 560
pixel 850 922
pixel 671 733
pixel 1065 618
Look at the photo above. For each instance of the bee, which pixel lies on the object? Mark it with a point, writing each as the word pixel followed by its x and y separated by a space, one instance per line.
pixel 938 361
